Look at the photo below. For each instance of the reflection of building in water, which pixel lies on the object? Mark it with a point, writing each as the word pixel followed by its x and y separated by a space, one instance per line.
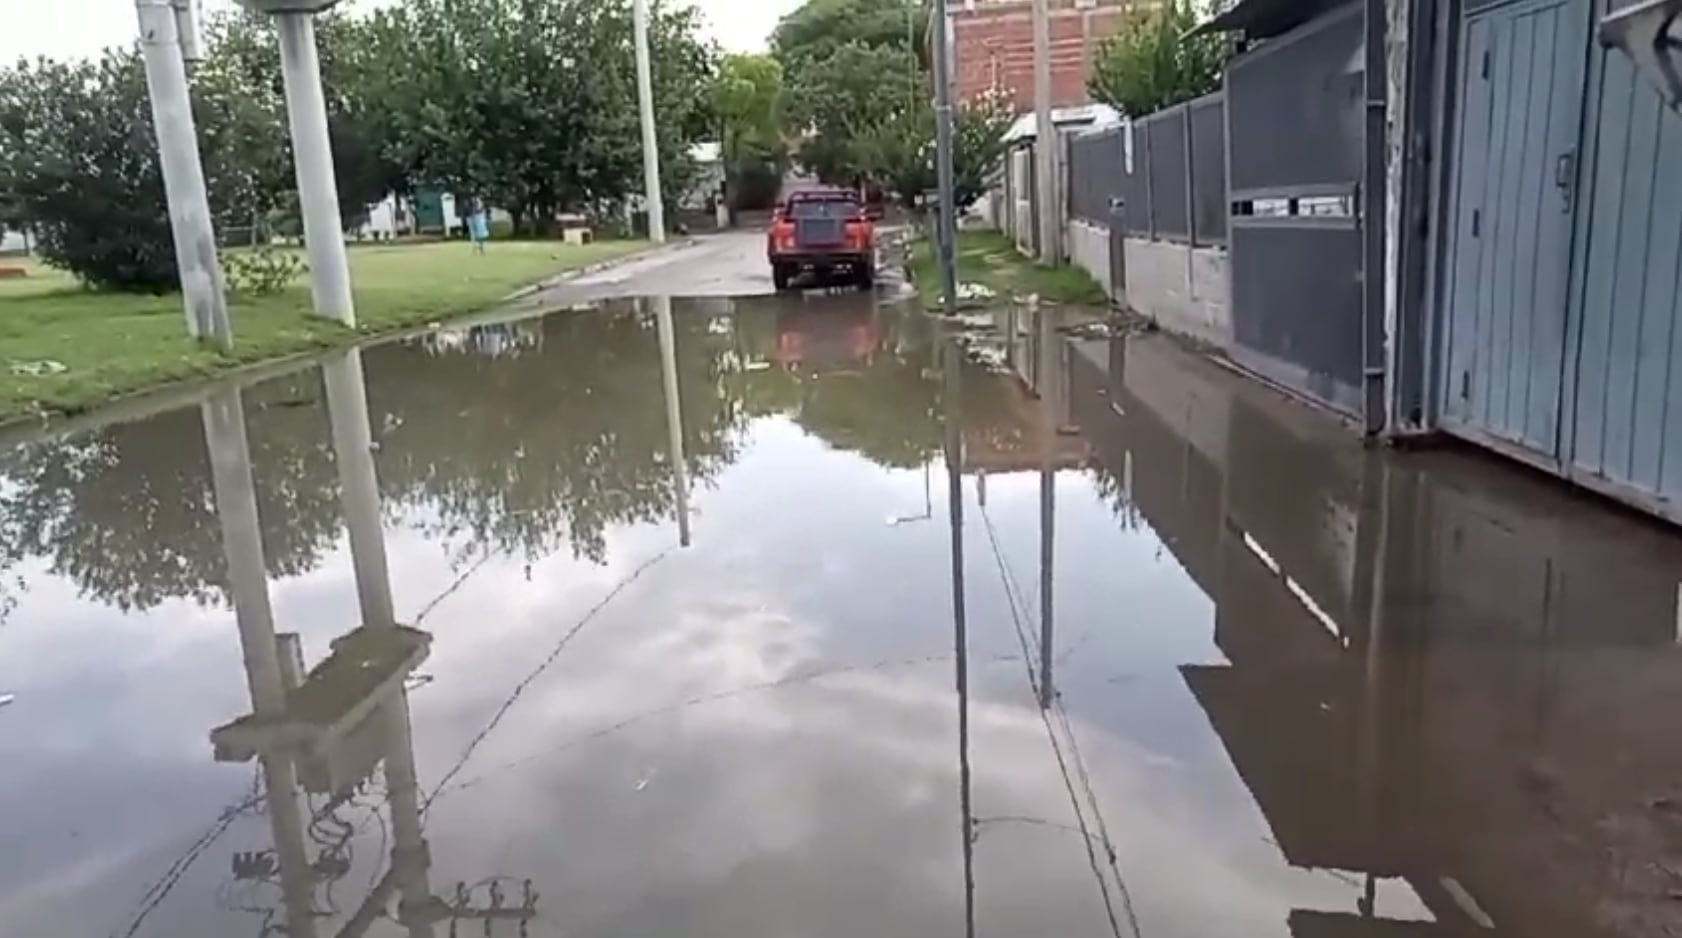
pixel 491 340
pixel 1446 676
pixel 1016 406
pixel 328 730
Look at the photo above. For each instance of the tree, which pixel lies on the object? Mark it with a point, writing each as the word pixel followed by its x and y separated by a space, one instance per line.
pixel 78 156
pixel 531 104
pixel 899 151
pixel 1155 65
pixel 840 97
pixel 819 28
pixel 747 99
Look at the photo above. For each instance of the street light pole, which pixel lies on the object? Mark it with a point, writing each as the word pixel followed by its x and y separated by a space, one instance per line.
pixel 650 139
pixel 947 226
pixel 163 44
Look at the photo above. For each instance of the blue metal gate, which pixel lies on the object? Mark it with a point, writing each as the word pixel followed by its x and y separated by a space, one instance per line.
pixel 1521 81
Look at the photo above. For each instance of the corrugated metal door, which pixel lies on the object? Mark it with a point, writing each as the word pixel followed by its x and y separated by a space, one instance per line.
pixel 1520 119
pixel 1624 430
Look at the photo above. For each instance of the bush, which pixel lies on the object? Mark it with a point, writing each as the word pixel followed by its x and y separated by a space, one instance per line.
pixel 261 271
pixel 78 156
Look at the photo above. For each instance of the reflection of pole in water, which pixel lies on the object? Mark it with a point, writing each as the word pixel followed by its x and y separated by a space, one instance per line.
pixel 674 412
pixel 960 629
pixel 1051 417
pixel 242 545
pixel 359 489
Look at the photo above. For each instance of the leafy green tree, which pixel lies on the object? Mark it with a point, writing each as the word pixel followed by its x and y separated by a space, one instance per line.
pixel 747 98
pixel 819 28
pixel 842 96
pixel 1154 64
pixel 531 104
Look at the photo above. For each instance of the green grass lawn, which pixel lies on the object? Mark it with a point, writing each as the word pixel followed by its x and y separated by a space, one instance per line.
pixel 112 344
pixel 989 258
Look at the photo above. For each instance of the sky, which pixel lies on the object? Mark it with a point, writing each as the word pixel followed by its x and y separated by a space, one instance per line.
pixel 66 28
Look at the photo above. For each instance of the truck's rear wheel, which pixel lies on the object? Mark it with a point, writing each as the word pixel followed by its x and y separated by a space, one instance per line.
pixel 864 276
pixel 781 276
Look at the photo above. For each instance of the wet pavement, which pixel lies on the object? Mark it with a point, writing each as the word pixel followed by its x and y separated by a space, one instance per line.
pixel 515 669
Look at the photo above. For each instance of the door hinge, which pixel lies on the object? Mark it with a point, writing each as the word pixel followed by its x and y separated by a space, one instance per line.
pixel 1465 384
pixel 1485 67
pixel 1477 222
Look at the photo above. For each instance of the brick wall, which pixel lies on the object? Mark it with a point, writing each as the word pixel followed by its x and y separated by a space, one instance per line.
pixel 994 47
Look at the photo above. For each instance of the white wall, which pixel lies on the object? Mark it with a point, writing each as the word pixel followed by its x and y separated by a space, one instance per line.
pixel 1183 289
pixel 1089 249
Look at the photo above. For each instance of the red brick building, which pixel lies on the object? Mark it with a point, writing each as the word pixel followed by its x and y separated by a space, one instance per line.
pixel 993 46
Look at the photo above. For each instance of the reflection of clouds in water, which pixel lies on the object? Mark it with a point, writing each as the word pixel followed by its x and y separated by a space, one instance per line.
pixel 841 786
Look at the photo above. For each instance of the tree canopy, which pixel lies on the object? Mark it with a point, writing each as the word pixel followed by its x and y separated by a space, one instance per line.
pixel 528 104
pixel 1155 64
pixel 860 96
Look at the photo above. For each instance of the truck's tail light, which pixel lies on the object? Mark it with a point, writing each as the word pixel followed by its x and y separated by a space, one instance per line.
pixel 783 236
pixel 858 234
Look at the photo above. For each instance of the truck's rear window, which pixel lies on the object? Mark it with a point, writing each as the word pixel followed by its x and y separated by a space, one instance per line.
pixel 840 207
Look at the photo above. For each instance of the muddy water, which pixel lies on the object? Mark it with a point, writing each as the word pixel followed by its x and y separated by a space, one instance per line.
pixel 496 661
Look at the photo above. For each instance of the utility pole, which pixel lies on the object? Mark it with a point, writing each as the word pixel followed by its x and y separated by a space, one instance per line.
pixel 650 139
pixel 168 38
pixel 947 226
pixel 312 155
pixel 1045 135
pixel 312 158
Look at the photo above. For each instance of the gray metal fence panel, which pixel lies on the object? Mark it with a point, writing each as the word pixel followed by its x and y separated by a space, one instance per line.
pixel 1096 168
pixel 1136 185
pixel 1208 170
pixel 1170 174
pixel 1295 108
pixel 1296 304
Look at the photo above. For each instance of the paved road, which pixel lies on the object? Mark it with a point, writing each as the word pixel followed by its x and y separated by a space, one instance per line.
pixel 731 264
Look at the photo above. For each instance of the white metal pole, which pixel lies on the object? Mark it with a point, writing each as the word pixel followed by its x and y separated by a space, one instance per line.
pixel 312 154
pixel 1045 140
pixel 650 138
pixel 178 154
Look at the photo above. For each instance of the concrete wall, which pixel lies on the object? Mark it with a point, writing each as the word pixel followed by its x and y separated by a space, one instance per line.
pixel 1185 290
pixel 1089 249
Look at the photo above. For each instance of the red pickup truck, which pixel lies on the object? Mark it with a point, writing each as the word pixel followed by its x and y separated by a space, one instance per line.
pixel 825 231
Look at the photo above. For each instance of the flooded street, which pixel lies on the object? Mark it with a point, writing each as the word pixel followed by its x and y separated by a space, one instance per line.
pixel 514 669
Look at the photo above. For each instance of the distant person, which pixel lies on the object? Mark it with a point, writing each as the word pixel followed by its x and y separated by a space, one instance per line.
pixel 479 227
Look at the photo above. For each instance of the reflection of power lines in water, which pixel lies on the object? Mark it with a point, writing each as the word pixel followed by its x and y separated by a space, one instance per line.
pixel 1080 779
pixel 332 836
pixel 542 666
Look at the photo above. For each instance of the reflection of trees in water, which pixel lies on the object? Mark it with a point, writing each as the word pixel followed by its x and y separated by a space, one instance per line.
pixel 530 452
pixel 525 452
pixel 127 511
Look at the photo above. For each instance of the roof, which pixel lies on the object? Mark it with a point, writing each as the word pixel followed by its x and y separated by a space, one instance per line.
pixel 1264 19
pixel 1086 116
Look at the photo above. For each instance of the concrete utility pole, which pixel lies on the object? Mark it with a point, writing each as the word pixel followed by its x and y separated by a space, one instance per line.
pixel 650 139
pixel 312 156
pixel 167 40
pixel 947 224
pixel 1045 139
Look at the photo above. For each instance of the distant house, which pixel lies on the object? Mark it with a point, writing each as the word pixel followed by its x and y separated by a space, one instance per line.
pixel 13 242
pixel 993 46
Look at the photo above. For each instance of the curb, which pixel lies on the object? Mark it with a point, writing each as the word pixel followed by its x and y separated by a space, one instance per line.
pixel 671 247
